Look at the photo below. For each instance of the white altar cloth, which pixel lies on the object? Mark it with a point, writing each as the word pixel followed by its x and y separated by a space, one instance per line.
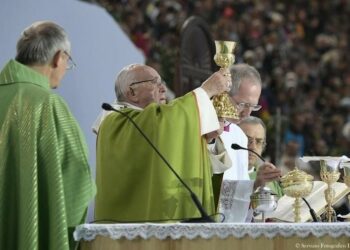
pixel 89 232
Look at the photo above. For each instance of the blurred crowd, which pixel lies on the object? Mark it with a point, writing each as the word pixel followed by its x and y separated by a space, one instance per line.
pixel 299 47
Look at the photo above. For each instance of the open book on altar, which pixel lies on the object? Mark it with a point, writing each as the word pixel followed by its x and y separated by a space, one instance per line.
pixel 316 199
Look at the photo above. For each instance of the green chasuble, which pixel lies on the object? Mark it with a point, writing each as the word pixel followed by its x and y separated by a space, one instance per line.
pixel 45 180
pixel 133 182
pixel 273 185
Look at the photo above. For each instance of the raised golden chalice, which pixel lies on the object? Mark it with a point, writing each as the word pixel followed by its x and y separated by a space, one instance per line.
pixel 224 58
pixel 329 174
pixel 297 184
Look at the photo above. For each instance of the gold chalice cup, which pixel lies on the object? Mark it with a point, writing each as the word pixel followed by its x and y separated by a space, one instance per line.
pixel 224 58
pixel 329 174
pixel 297 184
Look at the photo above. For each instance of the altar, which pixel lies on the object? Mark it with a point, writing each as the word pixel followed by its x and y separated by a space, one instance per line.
pixel 205 236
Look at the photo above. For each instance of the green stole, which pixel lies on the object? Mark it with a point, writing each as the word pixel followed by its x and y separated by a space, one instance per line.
pixel 45 180
pixel 273 185
pixel 133 182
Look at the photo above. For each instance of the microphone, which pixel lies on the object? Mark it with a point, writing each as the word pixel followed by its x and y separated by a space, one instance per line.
pixel 312 212
pixel 204 216
pixel 238 147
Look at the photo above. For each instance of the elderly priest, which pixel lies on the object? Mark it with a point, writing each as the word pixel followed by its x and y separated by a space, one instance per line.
pixel 134 184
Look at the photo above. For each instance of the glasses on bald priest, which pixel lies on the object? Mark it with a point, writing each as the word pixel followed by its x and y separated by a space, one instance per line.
pixel 155 81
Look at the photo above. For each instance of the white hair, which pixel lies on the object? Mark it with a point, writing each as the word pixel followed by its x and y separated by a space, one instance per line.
pixel 253 120
pixel 240 72
pixel 39 43
pixel 123 80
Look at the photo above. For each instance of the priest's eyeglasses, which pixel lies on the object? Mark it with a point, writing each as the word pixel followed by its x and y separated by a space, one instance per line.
pixel 259 142
pixel 70 63
pixel 155 81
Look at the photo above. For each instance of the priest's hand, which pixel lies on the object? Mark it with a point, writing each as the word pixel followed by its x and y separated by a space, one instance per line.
pixel 217 83
pixel 212 135
pixel 266 173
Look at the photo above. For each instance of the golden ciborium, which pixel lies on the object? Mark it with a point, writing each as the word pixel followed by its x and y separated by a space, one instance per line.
pixel 329 174
pixel 297 184
pixel 224 58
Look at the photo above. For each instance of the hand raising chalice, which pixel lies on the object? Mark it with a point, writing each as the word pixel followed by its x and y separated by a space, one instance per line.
pixel 224 58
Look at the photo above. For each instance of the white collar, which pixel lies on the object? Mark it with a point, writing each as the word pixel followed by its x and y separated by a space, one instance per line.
pixel 121 105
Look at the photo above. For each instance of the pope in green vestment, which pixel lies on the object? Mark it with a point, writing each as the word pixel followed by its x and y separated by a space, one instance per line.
pixel 45 180
pixel 133 182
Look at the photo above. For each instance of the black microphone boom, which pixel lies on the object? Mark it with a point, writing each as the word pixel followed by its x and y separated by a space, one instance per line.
pixel 204 216
pixel 312 212
pixel 238 147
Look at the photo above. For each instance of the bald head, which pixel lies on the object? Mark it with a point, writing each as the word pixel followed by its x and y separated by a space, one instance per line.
pixel 139 85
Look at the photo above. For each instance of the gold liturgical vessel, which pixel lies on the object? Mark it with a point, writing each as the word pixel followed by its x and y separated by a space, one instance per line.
pixel 297 184
pixel 224 58
pixel 329 175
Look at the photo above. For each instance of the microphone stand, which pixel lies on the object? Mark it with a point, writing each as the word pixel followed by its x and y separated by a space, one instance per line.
pixel 204 216
pixel 312 212
pixel 238 147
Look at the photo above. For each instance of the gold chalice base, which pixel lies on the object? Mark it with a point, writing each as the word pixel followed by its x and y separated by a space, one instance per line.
pixel 224 108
